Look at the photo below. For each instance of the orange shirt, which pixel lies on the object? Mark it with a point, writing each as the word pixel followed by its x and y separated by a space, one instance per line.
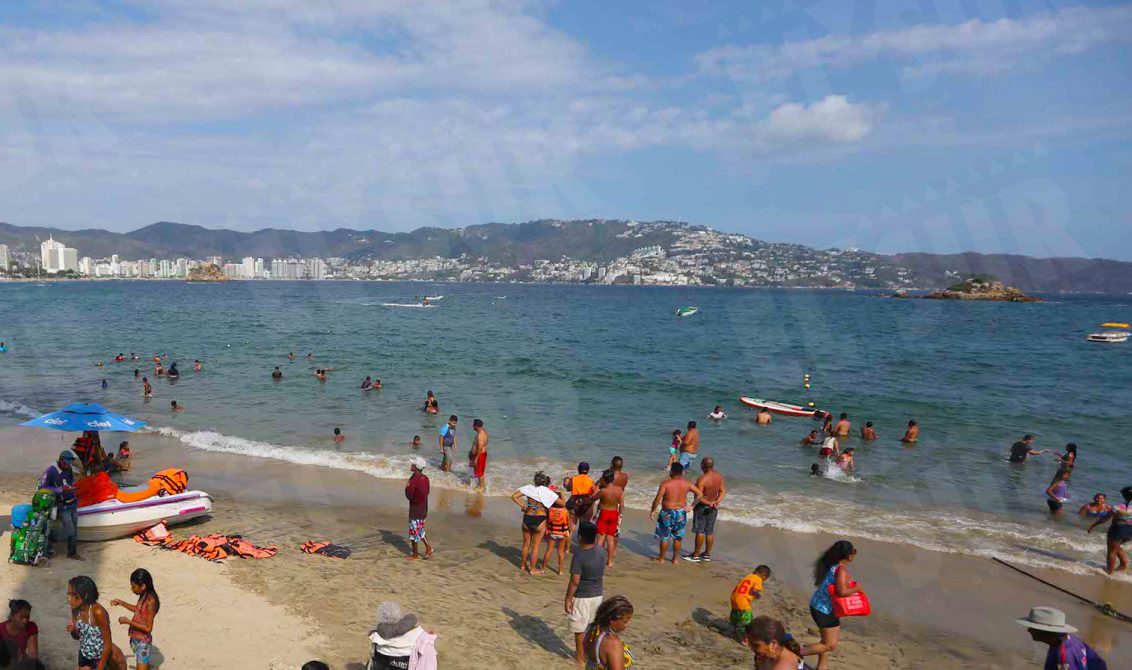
pixel 581 485
pixel 743 595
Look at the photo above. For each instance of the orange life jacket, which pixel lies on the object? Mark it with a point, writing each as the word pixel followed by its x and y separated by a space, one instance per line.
pixel 557 521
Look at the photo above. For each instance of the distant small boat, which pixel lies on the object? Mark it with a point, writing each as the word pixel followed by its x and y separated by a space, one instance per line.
pixel 1111 336
pixel 404 304
pixel 434 298
pixel 779 407
pixel 687 311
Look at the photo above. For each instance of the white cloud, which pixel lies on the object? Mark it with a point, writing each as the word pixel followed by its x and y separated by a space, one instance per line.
pixel 833 118
pixel 973 47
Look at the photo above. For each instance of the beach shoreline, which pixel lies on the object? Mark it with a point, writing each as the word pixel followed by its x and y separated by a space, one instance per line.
pixel 923 600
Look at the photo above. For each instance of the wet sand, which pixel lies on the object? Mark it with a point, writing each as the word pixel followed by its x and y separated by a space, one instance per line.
pixel 932 610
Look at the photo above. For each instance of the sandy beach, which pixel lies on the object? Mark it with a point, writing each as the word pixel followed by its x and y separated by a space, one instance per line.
pixel 932 610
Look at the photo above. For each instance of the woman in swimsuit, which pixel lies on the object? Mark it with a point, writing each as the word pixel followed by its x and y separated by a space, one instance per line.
pixel 774 649
pixel 1119 531
pixel 1057 493
pixel 430 404
pixel 90 625
pixel 602 642
pixel 830 569
pixel 1066 461
pixel 534 525
pixel 1097 508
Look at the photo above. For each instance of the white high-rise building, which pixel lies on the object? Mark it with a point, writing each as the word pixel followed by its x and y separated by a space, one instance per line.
pixel 182 267
pixel 249 267
pixel 70 259
pixel 316 269
pixel 86 266
pixel 4 259
pixel 259 269
pixel 51 255
pixel 166 270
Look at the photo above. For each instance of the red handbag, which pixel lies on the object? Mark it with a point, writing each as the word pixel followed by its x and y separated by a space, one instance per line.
pixel 854 605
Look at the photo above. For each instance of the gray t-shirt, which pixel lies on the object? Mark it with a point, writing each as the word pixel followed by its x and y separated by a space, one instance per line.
pixel 590 565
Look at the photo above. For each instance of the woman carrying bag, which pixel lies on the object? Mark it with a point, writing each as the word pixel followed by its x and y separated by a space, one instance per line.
pixel 837 595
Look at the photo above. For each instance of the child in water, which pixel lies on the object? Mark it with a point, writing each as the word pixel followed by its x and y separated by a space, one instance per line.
pixel 674 449
pixel 416 443
pixel 141 624
pixel 338 436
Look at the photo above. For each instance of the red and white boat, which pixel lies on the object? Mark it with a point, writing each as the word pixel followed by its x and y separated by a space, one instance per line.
pixel 779 407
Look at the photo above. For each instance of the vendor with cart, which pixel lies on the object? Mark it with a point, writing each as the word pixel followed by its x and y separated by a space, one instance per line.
pixel 59 478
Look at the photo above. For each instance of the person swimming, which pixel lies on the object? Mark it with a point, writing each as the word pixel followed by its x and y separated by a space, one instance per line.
pixel 367 383
pixel 174 373
pixel 197 366
pixel 1096 509
pixel 175 407
pixel 717 414
pixel 277 373
pixel 430 404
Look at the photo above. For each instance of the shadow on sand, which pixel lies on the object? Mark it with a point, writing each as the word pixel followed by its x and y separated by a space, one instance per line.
pixel 508 553
pixel 535 630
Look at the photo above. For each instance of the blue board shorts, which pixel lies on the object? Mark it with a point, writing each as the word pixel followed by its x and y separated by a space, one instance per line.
pixel 670 524
pixel 686 459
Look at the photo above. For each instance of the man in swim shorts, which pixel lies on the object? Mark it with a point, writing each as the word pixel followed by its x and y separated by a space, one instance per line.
pixel 416 492
pixel 672 517
pixel 447 443
pixel 704 514
pixel 479 455
pixel 690 445
pixel 610 504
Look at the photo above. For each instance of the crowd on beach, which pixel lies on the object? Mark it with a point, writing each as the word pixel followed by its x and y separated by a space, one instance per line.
pixel 582 516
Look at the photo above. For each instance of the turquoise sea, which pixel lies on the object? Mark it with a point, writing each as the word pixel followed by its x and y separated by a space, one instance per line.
pixel 561 374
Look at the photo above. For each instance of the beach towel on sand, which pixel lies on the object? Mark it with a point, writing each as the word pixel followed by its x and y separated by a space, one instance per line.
pixel 326 549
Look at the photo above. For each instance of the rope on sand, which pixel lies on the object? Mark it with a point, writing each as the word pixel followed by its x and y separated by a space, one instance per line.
pixel 1103 608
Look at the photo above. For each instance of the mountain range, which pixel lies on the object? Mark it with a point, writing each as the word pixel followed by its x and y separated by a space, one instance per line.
pixel 595 240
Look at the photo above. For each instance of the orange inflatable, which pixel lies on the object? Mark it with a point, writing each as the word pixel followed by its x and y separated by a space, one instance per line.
pixel 99 488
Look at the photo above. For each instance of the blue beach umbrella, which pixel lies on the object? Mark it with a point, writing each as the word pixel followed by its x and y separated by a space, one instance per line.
pixel 81 416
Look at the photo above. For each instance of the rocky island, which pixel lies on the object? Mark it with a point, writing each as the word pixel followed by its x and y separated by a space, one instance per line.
pixel 981 288
pixel 206 272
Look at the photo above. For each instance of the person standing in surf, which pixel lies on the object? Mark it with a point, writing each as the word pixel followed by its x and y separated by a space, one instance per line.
pixel 1119 532
pixel 478 456
pixel 430 404
pixel 690 445
pixel 447 443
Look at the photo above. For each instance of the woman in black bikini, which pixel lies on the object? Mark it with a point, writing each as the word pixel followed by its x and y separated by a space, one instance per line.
pixel 534 524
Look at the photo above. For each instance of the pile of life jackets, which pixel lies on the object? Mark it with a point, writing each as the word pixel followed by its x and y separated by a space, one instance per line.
pixel 326 549
pixel 209 547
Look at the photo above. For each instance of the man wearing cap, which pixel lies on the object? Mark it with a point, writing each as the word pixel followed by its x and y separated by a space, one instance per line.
pixel 416 491
pixel 1066 651
pixel 59 477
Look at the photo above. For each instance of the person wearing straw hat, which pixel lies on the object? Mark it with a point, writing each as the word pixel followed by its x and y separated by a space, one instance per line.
pixel 416 491
pixel 1066 651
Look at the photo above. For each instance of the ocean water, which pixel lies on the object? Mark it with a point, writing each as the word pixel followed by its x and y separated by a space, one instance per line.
pixel 562 374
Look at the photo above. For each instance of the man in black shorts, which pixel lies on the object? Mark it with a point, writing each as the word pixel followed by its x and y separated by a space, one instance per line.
pixel 703 516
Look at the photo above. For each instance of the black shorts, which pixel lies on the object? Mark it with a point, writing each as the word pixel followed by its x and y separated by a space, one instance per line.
pixel 1054 505
pixel 1120 532
pixel 703 519
pixel 824 620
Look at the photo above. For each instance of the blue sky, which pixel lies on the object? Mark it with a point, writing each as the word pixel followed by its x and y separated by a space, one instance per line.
pixel 929 125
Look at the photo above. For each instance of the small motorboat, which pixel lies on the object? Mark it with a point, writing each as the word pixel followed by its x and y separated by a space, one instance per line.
pixel 108 511
pixel 112 519
pixel 687 311
pixel 1119 333
pixel 434 298
pixel 780 407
